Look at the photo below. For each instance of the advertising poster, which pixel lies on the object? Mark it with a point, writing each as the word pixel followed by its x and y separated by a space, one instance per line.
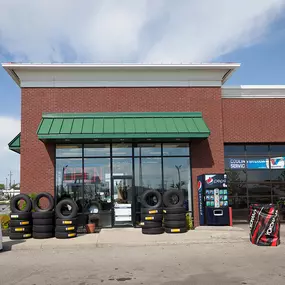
pixel 277 162
pixel 258 163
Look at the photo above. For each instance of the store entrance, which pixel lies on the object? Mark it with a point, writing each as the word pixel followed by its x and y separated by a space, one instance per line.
pixel 123 200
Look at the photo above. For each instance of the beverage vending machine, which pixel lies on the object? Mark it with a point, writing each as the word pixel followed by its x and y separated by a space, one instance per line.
pixel 213 200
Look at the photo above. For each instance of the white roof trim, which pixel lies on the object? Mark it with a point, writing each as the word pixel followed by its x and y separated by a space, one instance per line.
pixel 253 92
pixel 120 75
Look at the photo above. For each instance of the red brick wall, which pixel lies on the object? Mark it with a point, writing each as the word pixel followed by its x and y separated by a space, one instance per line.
pixel 37 160
pixel 254 120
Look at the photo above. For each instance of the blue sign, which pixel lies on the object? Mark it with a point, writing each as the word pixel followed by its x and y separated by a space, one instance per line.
pixel 258 163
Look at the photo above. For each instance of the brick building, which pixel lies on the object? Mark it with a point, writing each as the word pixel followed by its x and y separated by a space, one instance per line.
pixel 87 130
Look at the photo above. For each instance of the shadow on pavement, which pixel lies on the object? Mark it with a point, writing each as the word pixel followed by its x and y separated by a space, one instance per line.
pixel 8 245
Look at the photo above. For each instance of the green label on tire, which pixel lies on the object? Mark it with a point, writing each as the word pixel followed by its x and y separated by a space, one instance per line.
pixel 149 218
pixel 14 216
pixel 70 228
pixel 27 235
pixel 72 235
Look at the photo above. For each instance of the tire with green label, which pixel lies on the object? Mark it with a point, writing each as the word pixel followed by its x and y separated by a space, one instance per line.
pixel 151 217
pixel 21 216
pixel 151 211
pixel 150 224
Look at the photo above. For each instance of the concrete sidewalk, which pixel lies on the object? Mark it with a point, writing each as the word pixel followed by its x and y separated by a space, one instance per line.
pixel 133 237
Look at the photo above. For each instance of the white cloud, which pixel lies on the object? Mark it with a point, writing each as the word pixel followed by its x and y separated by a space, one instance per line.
pixel 9 161
pixel 127 30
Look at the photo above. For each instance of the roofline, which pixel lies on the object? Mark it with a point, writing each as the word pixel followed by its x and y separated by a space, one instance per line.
pixel 12 67
pixel 254 87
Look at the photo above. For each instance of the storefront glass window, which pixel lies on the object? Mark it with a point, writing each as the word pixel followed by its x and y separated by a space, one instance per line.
pixel 234 150
pixel 237 189
pixel 148 150
pixel 71 150
pixel 98 150
pixel 236 175
pixel 178 149
pixel 97 189
pixel 122 167
pixel 258 175
pixel 122 149
pixel 256 149
pixel 277 149
pixel 69 180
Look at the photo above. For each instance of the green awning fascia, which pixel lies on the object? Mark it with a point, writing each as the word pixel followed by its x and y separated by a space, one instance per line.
pixel 15 144
pixel 122 126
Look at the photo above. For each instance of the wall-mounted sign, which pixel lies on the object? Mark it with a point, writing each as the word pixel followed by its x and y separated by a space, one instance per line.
pixel 258 163
pixel 277 162
pixel 235 163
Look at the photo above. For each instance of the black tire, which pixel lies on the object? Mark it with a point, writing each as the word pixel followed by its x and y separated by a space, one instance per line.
pixel 20 235
pixel 37 199
pixel 42 235
pixel 150 225
pixel 64 229
pixel 175 224
pixel 67 222
pixel 175 230
pixel 175 217
pixel 145 199
pixel 71 203
pixel 153 218
pixel 43 229
pixel 21 216
pixel 21 229
pixel 65 235
pixel 19 223
pixel 43 222
pixel 43 215
pixel 153 231
pixel 151 211
pixel 173 198
pixel 174 210
pixel 15 200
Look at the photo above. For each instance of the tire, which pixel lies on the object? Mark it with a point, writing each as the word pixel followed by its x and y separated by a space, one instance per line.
pixel 43 215
pixel 16 199
pixel 153 231
pixel 21 216
pixel 43 222
pixel 37 199
pixel 70 202
pixel 65 235
pixel 42 235
pixel 64 229
pixel 174 210
pixel 43 229
pixel 175 224
pixel 151 211
pixel 150 225
pixel 169 201
pixel 18 223
pixel 21 229
pixel 175 230
pixel 145 199
pixel 175 217
pixel 153 218
pixel 20 235
pixel 69 222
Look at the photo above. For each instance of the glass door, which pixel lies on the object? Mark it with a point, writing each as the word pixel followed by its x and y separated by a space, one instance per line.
pixel 123 198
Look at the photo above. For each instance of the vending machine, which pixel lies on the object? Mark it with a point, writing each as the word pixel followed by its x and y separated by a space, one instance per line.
pixel 213 200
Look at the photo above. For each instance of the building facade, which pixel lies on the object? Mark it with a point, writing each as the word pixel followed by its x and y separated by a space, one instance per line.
pixel 106 133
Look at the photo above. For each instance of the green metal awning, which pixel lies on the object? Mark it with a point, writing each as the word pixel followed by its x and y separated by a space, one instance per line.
pixel 15 144
pixel 122 126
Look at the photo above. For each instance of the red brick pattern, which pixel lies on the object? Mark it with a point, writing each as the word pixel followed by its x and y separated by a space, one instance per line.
pixel 37 159
pixel 254 120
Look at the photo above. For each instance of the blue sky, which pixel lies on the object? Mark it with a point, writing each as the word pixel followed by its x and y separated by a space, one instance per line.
pixel 251 32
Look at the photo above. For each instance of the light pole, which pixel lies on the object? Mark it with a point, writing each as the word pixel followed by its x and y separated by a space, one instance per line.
pixel 179 178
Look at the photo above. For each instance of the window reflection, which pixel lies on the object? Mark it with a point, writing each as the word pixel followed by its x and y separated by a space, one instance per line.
pixel 97 150
pixel 256 149
pixel 69 179
pixel 278 175
pixel 237 189
pixel 71 150
pixel 122 149
pixel 259 189
pixel 234 150
pixel 236 176
pixel 258 176
pixel 122 166
pixel 178 149
pixel 148 150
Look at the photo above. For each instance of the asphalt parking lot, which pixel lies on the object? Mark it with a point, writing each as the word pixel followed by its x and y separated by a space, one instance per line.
pixel 221 264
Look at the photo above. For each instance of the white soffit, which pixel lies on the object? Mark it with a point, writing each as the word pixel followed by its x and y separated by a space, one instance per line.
pixel 253 91
pixel 120 75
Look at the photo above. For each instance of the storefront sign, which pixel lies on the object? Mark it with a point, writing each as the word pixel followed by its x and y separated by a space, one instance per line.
pixel 236 163
pixel 277 162
pixel 201 202
pixel 258 163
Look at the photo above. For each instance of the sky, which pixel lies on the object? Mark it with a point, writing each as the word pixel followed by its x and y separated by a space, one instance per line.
pixel 251 32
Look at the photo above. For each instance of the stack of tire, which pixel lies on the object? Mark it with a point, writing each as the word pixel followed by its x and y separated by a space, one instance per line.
pixel 43 218
pixel 66 219
pixel 151 213
pixel 174 212
pixel 20 218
